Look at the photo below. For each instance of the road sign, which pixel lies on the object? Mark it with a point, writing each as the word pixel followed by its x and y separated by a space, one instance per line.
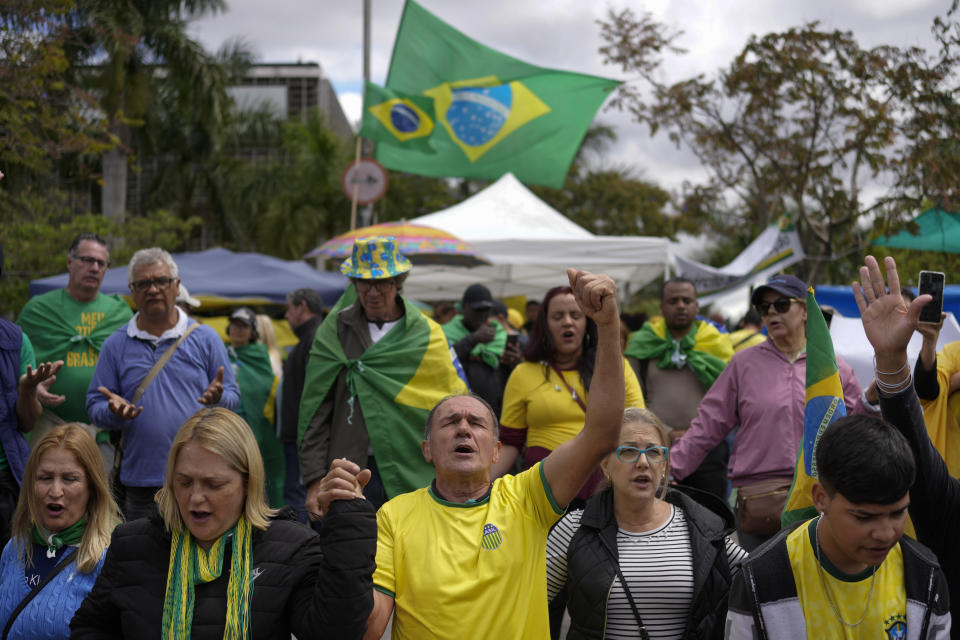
pixel 370 179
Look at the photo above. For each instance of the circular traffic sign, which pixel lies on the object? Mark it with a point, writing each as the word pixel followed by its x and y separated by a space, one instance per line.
pixel 368 177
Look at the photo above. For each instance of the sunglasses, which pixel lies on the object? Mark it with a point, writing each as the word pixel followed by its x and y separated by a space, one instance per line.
pixel 630 454
pixel 780 305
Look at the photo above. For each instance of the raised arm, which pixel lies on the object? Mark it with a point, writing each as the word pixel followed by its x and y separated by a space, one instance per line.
pixel 567 468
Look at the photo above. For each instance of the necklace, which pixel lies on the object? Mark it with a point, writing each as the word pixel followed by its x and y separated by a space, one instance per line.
pixel 823 583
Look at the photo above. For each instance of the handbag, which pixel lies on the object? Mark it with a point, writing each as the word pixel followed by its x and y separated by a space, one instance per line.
pixel 759 506
pixel 63 564
pixel 116 487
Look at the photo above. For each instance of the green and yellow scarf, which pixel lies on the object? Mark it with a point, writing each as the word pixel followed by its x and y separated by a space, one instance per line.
pixel 489 352
pixel 190 565
pixel 705 349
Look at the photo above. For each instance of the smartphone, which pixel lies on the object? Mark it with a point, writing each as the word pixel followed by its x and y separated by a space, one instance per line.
pixel 513 339
pixel 931 282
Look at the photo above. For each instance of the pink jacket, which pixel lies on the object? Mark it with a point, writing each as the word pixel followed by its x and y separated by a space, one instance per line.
pixel 763 393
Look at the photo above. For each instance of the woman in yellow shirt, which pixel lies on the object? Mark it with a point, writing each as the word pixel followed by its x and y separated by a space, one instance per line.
pixel 545 399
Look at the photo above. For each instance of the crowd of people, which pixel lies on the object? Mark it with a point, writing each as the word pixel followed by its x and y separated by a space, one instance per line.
pixel 483 473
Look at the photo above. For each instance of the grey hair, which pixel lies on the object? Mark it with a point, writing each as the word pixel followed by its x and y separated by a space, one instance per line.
pixel 436 407
pixel 636 415
pixel 147 257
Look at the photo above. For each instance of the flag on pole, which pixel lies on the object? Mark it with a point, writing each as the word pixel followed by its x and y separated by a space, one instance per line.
pixel 824 407
pixel 397 118
pixel 492 113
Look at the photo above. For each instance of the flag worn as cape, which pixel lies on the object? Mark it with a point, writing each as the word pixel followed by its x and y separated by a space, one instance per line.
pixel 397 381
pixel 824 407
pixel 942 415
pixel 704 348
pixel 492 113
pixel 489 352
pixel 258 388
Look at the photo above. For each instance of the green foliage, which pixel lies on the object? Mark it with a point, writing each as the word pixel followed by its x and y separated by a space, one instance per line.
pixel 36 241
pixel 800 121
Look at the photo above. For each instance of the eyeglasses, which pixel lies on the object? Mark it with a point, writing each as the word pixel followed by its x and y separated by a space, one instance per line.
pixel 629 454
pixel 162 284
pixel 90 261
pixel 780 305
pixel 380 285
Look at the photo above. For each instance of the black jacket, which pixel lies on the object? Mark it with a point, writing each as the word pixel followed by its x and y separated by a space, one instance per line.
pixel 935 495
pixel 309 585
pixel 592 560
pixel 294 374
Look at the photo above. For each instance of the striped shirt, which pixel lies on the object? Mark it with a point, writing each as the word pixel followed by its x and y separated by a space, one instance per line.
pixel 658 567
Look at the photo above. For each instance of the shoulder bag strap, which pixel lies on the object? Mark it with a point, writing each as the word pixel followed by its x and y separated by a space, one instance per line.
pixel 573 393
pixel 67 560
pixel 633 605
pixel 159 364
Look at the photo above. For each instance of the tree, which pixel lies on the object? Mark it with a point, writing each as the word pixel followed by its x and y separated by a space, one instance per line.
pixel 800 121
pixel 124 41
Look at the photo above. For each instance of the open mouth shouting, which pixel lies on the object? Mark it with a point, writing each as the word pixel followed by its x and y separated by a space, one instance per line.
pixel 464 449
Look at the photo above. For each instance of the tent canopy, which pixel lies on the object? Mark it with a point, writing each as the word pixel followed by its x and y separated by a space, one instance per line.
pixel 220 276
pixel 938 231
pixel 530 245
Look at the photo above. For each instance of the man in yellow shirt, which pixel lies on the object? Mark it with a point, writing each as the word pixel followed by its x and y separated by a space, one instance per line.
pixel 466 557
pixel 847 573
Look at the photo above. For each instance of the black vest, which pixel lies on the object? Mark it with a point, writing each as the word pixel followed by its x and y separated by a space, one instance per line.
pixel 592 559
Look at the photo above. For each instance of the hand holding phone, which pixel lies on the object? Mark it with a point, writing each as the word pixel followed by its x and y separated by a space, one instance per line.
pixel 931 283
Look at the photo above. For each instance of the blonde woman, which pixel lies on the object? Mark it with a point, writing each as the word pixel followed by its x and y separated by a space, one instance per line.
pixel 60 533
pixel 269 338
pixel 216 563
pixel 642 561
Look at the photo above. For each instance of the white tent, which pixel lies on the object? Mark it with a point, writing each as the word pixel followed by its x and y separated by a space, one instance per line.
pixel 529 245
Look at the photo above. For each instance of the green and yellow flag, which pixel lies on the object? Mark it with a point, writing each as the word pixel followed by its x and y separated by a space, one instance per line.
pixel 824 407
pixel 491 113
pixel 396 382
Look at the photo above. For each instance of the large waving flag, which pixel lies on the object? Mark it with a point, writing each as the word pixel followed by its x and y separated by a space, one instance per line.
pixel 396 382
pixel 491 113
pixel 824 406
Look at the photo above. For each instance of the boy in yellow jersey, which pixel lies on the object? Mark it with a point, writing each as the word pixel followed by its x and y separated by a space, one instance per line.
pixel 847 573
pixel 466 558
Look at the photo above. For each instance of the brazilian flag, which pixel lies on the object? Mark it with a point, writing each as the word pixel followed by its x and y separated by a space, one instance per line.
pixel 397 118
pixel 824 407
pixel 492 113
pixel 396 382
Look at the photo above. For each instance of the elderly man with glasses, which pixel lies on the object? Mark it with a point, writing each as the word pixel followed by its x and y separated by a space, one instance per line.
pixel 376 368
pixel 154 373
pixel 762 391
pixel 70 324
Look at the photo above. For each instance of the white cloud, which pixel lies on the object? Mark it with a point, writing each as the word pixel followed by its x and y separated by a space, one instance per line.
pixel 352 104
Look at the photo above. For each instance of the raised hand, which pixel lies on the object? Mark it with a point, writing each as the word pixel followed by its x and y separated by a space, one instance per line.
pixel 119 406
pixel 887 320
pixel 596 294
pixel 485 333
pixel 344 481
pixel 44 371
pixel 214 390
pixel 46 397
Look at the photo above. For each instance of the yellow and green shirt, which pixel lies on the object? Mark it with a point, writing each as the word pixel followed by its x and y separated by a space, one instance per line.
pixel 468 570
pixel 887 614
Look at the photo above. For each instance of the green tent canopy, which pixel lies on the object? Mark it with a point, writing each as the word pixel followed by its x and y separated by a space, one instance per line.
pixel 938 231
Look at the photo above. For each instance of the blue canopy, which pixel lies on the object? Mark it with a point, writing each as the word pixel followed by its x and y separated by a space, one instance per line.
pixel 840 297
pixel 218 273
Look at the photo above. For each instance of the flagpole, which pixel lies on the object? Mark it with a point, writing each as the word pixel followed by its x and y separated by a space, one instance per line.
pixel 356 190
pixel 366 79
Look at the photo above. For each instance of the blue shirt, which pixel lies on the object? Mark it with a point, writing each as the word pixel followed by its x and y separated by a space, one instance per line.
pixel 169 401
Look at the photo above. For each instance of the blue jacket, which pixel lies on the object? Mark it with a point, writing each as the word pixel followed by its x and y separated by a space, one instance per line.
pixel 48 616
pixel 14 444
pixel 169 400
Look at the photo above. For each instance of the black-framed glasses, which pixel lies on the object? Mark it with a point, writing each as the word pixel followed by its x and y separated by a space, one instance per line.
pixel 628 454
pixel 380 285
pixel 162 284
pixel 780 305
pixel 90 261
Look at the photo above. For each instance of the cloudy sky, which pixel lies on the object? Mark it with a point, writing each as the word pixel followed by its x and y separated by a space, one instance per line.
pixel 562 34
